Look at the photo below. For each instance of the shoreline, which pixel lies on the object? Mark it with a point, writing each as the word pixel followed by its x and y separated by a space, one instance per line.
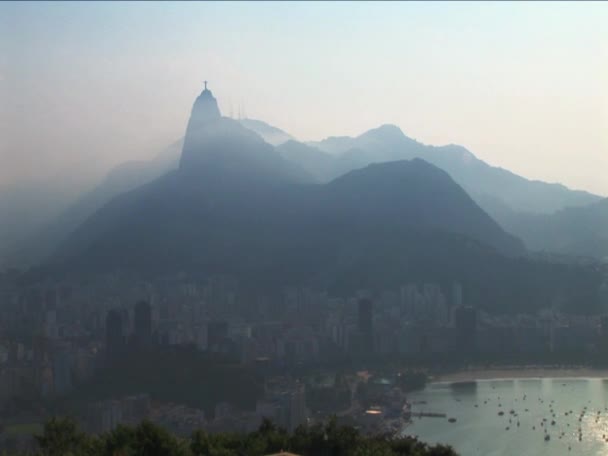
pixel 518 372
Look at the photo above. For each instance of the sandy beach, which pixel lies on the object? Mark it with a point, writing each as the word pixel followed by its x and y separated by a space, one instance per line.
pixel 520 372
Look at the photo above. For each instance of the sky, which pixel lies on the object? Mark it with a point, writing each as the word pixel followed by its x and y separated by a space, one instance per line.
pixel 85 86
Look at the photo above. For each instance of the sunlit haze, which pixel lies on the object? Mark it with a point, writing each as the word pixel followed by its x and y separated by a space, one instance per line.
pixel 304 228
pixel 524 86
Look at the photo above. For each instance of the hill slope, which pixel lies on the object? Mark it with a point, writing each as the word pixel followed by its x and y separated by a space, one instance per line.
pixel 236 206
pixel 574 231
pixel 483 182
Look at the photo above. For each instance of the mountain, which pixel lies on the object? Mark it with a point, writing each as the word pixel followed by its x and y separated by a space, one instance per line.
pixel 224 168
pixel 40 242
pixel 573 231
pixel 213 141
pixel 508 198
pixel 272 135
pixel 487 185
pixel 415 194
pixel 30 240
pixel 28 205
pixel 316 162
pixel 237 206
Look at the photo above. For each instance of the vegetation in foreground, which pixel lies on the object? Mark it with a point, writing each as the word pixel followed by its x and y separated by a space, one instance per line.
pixel 61 437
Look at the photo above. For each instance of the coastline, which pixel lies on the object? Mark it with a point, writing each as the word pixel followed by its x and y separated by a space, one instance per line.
pixel 517 372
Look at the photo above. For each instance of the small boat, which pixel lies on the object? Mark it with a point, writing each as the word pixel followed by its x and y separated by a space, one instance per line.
pixel 451 420
pixel 547 437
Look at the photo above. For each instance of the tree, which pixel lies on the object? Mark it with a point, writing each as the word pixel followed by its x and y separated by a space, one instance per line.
pixel 61 437
pixel 119 442
pixel 152 440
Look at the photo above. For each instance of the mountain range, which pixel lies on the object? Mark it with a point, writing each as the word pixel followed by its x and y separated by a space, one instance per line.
pixel 237 205
pixel 577 231
pixel 523 207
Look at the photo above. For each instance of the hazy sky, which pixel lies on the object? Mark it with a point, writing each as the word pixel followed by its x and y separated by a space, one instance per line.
pixel 522 85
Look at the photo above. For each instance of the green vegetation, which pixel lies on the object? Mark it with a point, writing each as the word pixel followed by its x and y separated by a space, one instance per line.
pixel 61 437
pixel 329 398
pixel 22 429
pixel 412 380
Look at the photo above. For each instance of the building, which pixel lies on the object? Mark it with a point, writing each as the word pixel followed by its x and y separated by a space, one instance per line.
pixel 297 407
pixel 114 334
pixel 456 294
pixel 142 324
pixel 217 334
pixel 62 369
pixel 365 324
pixel 465 321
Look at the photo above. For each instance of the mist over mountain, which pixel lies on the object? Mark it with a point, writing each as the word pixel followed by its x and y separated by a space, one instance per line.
pixel 579 230
pixel 213 141
pixel 512 200
pixel 26 207
pixel 40 242
pixel 272 135
pixel 487 185
pixel 237 206
pixel 38 218
pixel 545 216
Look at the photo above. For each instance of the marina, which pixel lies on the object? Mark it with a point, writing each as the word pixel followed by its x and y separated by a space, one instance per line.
pixel 522 417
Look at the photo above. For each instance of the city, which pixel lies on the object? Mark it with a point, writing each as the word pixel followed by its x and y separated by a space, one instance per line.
pixel 303 228
pixel 295 343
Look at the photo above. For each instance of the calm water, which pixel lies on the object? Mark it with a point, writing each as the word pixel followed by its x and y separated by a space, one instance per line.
pixel 479 430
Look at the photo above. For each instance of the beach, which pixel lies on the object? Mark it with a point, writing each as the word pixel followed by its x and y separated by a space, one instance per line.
pixel 502 372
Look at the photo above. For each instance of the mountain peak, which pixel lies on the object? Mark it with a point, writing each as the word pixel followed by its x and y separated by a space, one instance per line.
pixel 205 109
pixel 216 144
pixel 387 129
pixel 387 133
pixel 204 112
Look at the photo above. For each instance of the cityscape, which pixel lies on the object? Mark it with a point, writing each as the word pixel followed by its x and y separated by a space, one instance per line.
pixel 303 229
pixel 60 336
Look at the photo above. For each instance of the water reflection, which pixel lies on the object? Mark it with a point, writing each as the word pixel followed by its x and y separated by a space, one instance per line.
pixel 524 416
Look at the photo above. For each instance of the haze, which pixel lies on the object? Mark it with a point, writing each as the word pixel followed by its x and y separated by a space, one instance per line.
pixel 86 86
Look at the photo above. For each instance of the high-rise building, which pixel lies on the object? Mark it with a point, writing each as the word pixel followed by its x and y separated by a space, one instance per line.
pixel 456 294
pixel 114 333
pixel 364 316
pixel 297 407
pixel 365 324
pixel 62 368
pixel 142 324
pixel 217 334
pixel 465 321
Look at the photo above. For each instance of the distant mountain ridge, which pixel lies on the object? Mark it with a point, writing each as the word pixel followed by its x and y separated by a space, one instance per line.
pixel 541 214
pixel 482 181
pixel 581 231
pixel 272 135
pixel 19 247
pixel 509 198
pixel 237 206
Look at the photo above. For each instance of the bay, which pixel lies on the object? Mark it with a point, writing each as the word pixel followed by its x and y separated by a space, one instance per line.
pixel 573 412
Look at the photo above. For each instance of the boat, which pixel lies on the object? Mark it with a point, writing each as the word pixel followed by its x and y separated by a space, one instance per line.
pixel 452 420
pixel 547 437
